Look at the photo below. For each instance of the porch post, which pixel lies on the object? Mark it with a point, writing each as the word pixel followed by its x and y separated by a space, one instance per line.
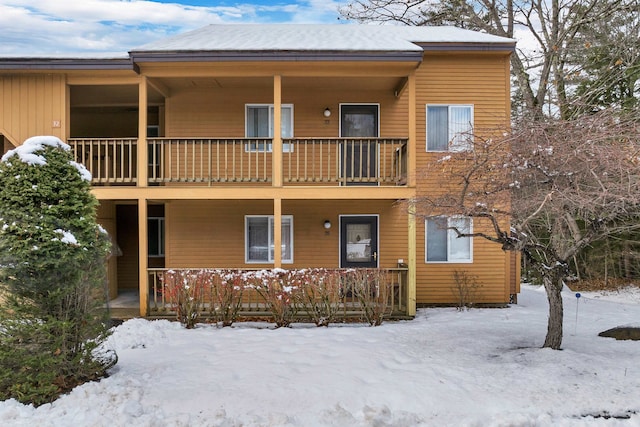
pixel 277 233
pixel 411 274
pixel 412 149
pixel 142 163
pixel 143 277
pixel 276 155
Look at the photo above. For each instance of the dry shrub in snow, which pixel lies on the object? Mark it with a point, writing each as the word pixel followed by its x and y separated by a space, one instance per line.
pixel 226 296
pixel 320 296
pixel 372 289
pixel 464 289
pixel 280 293
pixel 185 291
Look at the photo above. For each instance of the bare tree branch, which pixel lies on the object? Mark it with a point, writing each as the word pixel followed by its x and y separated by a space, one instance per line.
pixel 558 186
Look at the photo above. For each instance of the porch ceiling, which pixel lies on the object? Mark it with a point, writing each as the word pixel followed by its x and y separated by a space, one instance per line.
pixel 111 96
pixel 127 95
pixel 325 83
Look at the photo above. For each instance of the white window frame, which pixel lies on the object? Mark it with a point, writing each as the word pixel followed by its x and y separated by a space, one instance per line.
pixel 252 147
pixel 456 141
pixel 270 227
pixel 161 236
pixel 451 234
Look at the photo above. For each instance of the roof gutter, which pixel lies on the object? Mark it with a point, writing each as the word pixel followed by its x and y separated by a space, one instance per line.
pixel 469 47
pixel 65 64
pixel 274 55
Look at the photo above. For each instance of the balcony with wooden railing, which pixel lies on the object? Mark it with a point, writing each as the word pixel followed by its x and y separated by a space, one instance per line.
pixel 213 161
pixel 111 161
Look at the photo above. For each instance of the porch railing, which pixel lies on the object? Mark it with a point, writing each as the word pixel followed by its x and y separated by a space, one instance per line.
pixel 110 160
pixel 209 161
pixel 254 305
pixel 345 160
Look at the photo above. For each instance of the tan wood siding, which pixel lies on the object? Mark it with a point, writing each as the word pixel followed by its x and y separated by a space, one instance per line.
pixel 221 112
pixel 211 233
pixel 30 104
pixel 478 80
pixel 435 283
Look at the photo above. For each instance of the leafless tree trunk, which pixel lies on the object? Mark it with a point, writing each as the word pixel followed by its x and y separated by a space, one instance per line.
pixel 553 283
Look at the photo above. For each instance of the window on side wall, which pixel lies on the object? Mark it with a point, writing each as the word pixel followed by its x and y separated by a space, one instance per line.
pixel 449 127
pixel 259 241
pixel 443 243
pixel 259 124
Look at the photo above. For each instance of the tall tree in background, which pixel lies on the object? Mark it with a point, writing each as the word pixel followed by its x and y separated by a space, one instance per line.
pixel 545 70
pixel 607 70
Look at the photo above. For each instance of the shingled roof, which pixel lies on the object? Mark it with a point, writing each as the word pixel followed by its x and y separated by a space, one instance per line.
pixel 300 37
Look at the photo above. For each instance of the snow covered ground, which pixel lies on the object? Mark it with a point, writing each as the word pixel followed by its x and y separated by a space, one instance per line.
pixel 483 367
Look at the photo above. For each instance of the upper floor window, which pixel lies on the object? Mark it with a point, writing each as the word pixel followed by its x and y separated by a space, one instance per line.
pixel 259 124
pixel 443 243
pixel 449 127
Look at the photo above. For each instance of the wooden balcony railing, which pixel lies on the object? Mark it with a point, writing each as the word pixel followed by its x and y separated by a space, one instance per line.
pixel 327 161
pixel 345 161
pixel 209 160
pixel 253 304
pixel 110 160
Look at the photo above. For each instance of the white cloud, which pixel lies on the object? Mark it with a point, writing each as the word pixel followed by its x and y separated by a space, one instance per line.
pixel 113 27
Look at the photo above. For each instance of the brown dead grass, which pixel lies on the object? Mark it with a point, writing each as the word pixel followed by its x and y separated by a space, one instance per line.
pixel 602 285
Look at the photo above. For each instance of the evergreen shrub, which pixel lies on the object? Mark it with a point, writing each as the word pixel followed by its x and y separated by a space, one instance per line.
pixel 52 274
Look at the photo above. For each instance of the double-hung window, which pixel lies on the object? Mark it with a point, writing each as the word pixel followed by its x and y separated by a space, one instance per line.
pixel 443 243
pixel 259 241
pixel 259 124
pixel 449 127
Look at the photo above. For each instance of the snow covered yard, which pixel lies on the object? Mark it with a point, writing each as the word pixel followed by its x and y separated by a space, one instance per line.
pixel 483 367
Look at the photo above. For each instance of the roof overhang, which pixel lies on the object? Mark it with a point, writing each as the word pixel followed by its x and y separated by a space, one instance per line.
pixel 274 56
pixel 65 64
pixel 468 47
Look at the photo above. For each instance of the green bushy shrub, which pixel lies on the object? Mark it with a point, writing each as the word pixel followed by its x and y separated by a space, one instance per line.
pixel 52 274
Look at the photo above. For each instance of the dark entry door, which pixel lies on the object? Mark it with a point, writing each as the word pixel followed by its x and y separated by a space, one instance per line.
pixel 359 158
pixel 359 241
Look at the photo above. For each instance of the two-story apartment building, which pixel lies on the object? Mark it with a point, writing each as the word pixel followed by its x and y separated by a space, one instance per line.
pixel 212 148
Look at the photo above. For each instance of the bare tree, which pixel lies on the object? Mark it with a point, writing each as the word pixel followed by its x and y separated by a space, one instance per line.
pixel 542 71
pixel 549 188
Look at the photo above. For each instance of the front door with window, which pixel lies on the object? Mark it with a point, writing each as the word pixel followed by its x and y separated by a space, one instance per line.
pixel 359 241
pixel 359 158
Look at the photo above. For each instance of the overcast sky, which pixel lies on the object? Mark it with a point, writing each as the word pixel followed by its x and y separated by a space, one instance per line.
pixel 113 27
